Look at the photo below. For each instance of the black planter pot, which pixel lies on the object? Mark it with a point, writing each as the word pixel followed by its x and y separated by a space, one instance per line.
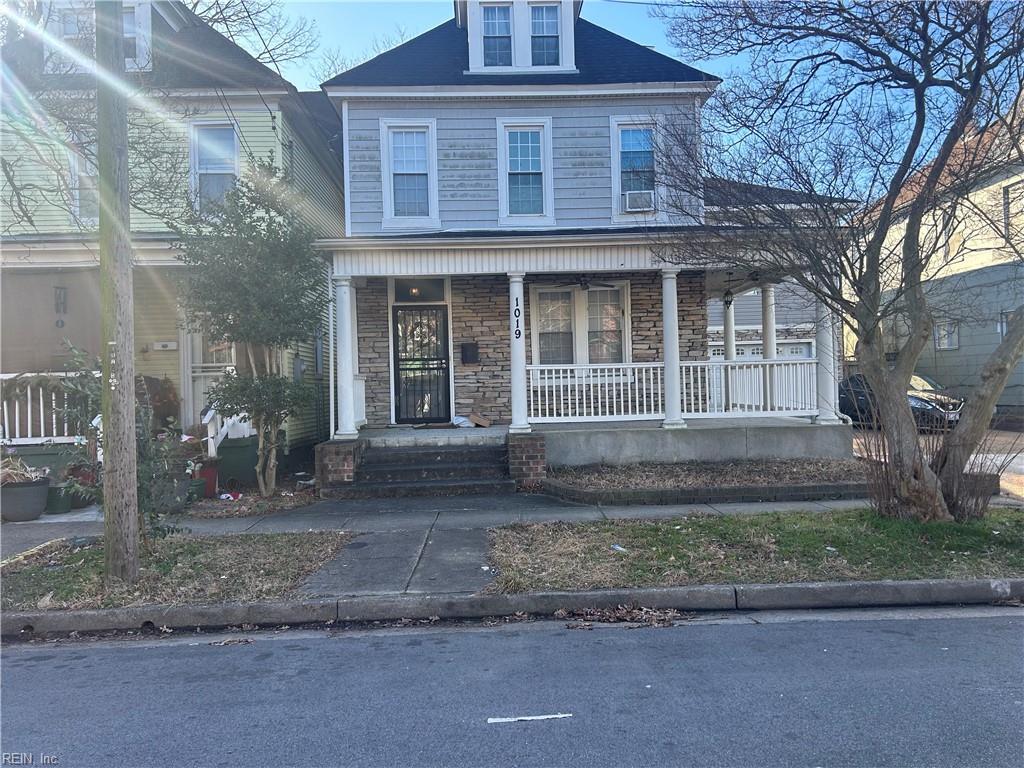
pixel 20 502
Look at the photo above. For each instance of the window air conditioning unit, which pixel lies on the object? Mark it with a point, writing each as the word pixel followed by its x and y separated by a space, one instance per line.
pixel 638 202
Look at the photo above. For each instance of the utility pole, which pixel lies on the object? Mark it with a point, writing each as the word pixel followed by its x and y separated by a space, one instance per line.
pixel 120 496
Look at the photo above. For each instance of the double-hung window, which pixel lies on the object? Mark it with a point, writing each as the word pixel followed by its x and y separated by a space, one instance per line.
pixel 636 169
pixel 947 335
pixel 85 193
pixel 497 34
pixel 1013 210
pixel 575 325
pixel 77 30
pixel 215 163
pixel 525 186
pixel 544 42
pixel 409 174
pixel 131 48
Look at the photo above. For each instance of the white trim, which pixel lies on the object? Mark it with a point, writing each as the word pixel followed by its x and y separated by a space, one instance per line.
pixel 520 18
pixel 391 341
pixel 193 141
pixel 346 171
pixel 581 321
pixel 502 126
pixel 389 220
pixel 660 213
pixel 520 91
pixel 51 18
pixel 75 164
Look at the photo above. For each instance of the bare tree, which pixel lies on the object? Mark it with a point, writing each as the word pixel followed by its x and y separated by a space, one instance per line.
pixel 261 27
pixel 333 61
pixel 882 119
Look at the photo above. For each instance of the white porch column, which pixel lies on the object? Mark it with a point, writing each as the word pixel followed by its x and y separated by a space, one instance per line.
pixel 345 392
pixel 768 344
pixel 828 381
pixel 670 332
pixel 768 340
pixel 517 334
pixel 729 328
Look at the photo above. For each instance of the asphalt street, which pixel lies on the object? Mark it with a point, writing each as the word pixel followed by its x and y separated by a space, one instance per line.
pixel 937 687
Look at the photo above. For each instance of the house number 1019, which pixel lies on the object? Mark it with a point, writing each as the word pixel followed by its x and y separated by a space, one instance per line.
pixel 517 313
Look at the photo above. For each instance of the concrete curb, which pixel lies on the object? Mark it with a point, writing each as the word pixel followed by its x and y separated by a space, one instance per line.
pixel 854 594
pixel 603 497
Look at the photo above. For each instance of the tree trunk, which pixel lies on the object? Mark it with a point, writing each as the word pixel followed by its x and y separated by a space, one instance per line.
pixel 960 444
pixel 120 496
pixel 912 485
pixel 261 455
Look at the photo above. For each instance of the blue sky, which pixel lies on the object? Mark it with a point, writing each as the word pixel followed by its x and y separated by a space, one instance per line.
pixel 352 25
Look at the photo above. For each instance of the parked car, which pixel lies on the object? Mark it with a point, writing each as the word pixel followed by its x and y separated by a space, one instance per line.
pixel 932 405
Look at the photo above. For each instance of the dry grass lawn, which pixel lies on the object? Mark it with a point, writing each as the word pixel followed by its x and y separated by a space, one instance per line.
pixel 175 570
pixel 768 548
pixel 719 474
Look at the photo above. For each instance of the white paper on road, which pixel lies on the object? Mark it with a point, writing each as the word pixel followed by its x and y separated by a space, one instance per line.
pixel 522 718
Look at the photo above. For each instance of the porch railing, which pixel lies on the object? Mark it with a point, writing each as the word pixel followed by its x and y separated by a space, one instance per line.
pixel 756 388
pixel 562 393
pixel 595 392
pixel 34 409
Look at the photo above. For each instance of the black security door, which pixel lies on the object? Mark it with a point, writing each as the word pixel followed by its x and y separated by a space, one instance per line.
pixel 422 388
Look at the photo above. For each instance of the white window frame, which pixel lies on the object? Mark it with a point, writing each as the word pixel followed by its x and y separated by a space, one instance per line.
pixel 194 129
pixel 1016 190
pixel 559 35
pixel 143 60
pixel 433 218
pixel 511 33
pixel 75 164
pixel 1004 322
pixel 581 322
pixel 547 218
pixel 522 51
pixel 955 326
pixel 616 123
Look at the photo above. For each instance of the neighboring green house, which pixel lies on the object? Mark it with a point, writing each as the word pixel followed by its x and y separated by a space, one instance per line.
pixel 203 110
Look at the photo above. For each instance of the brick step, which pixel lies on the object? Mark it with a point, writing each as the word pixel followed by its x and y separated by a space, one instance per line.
pixel 470 470
pixel 427 455
pixel 371 490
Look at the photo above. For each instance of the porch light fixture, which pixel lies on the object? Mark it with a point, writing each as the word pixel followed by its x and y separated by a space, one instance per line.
pixel 414 291
pixel 727 297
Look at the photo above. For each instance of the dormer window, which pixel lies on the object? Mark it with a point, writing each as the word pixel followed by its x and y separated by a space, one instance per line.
pixel 73 23
pixel 520 37
pixel 544 35
pixel 497 29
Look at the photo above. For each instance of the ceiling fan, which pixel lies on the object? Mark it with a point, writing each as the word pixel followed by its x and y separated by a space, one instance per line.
pixel 586 284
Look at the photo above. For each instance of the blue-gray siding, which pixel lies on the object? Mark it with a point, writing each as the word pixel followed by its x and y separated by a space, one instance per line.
pixel 467 164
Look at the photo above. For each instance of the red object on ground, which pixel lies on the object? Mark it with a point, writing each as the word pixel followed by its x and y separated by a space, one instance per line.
pixel 209 474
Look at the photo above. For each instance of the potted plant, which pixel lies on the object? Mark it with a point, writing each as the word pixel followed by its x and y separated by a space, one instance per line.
pixel 23 490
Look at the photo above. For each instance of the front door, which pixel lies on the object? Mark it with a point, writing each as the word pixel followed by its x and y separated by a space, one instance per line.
pixel 421 365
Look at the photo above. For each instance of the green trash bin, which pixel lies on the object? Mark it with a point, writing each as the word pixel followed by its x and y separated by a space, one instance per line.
pixel 236 467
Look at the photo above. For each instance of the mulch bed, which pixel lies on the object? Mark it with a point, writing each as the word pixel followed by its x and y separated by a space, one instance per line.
pixel 719 474
pixel 252 504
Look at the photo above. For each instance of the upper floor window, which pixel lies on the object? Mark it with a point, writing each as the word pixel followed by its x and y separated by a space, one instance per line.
pixel 85 194
pixel 525 155
pixel 636 169
pixel 74 24
pixel 409 174
pixel 215 162
pixel 544 35
pixel 947 335
pixel 497 31
pixel 1013 210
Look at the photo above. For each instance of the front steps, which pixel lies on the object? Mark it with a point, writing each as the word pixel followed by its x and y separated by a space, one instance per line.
pixel 405 470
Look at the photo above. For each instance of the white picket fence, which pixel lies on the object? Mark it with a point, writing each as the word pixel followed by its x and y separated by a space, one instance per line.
pixel 634 391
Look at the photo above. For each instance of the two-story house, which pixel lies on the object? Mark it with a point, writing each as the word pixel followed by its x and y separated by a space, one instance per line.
pixel 202 110
pixel 501 192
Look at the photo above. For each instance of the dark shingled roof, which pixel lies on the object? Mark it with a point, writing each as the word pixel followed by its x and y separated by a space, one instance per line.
pixel 720 192
pixel 441 57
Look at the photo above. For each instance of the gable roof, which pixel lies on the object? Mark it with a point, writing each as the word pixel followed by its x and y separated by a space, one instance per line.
pixel 188 54
pixel 441 57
